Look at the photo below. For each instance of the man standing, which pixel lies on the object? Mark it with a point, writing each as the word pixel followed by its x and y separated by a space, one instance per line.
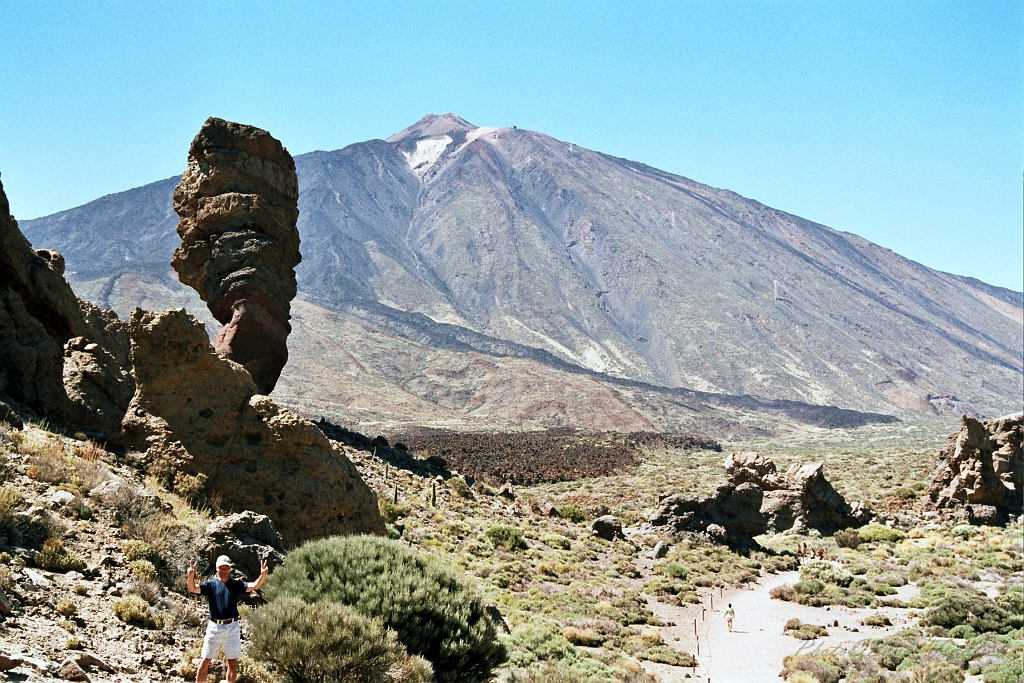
pixel 730 614
pixel 223 629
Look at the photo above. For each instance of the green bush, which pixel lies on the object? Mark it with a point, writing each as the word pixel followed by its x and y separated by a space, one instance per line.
pixel 131 609
pixel 878 532
pixel 544 640
pixel 556 541
pixel 825 672
pixel 826 572
pixel 324 642
pixel 56 558
pixel 434 609
pixel 665 655
pixel 507 537
pixel 142 569
pixel 66 608
pixel 977 611
pixel 573 513
pixel 676 570
pixel 138 550
pixel 461 488
pixel 876 620
pixel 962 631
pixel 847 538
pixel 1010 671
pixel 964 531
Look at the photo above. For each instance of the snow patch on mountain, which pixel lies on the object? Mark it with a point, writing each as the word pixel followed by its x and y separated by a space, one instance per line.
pixel 426 155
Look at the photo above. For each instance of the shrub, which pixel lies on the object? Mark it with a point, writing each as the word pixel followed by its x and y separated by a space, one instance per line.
pixel 878 532
pixel 676 570
pixel 556 541
pixel 876 620
pixel 935 671
pixel 131 609
pixel 66 608
pixel 56 558
pixel 392 511
pixel 964 531
pixel 905 493
pixel 573 513
pixel 847 538
pixel 6 468
pixel 1010 671
pixel 978 611
pixel 323 642
pixel 74 644
pixel 142 569
pixel 962 631
pixel 461 488
pixel 435 611
pixel 134 549
pixel 665 655
pixel 80 589
pixel 820 570
pixel 507 537
pixel 543 640
pixel 824 672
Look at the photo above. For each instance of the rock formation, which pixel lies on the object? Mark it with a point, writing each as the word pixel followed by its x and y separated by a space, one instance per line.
pixel 247 538
pixel 198 413
pixel 731 515
pixel 238 203
pixel 60 358
pixel 800 499
pixel 983 468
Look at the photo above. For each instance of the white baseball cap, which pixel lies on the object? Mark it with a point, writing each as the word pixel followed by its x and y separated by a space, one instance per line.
pixel 224 561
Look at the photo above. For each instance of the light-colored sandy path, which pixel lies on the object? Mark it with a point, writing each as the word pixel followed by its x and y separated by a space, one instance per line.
pixel 754 651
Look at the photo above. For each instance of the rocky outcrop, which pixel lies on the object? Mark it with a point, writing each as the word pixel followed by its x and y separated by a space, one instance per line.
pixel 198 413
pixel 60 358
pixel 798 500
pixel 247 538
pixel 238 203
pixel 608 527
pixel 983 469
pixel 732 515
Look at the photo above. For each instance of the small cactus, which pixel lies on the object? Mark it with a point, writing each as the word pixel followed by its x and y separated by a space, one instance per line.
pixel 433 494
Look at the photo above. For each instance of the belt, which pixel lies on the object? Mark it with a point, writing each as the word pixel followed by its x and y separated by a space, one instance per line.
pixel 223 622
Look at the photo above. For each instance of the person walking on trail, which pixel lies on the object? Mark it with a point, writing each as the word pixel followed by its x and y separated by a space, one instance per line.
pixel 730 614
pixel 223 630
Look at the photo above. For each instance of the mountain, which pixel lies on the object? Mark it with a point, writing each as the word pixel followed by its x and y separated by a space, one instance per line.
pixel 508 243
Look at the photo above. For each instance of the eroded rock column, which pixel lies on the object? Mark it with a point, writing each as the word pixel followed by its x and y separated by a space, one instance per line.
pixel 238 203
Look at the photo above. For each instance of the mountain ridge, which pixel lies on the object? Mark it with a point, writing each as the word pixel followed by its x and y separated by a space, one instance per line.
pixel 609 265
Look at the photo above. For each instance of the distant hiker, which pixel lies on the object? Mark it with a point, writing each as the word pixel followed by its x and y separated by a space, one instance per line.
pixel 730 614
pixel 223 629
pixel 821 554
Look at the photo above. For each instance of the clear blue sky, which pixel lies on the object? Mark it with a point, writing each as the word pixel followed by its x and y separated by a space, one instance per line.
pixel 901 122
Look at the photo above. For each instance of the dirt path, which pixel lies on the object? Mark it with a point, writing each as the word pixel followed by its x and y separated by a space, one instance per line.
pixel 754 651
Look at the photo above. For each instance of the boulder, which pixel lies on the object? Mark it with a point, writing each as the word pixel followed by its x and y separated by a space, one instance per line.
pixel 802 496
pixel 735 509
pixel 247 538
pixel 983 467
pixel 608 527
pixel 39 315
pixel 70 671
pixel 199 413
pixel 751 468
pixel 238 203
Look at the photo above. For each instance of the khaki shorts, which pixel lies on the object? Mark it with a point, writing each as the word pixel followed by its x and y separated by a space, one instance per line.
pixel 227 636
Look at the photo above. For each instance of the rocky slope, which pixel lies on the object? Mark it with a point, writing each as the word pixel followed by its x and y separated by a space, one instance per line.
pixel 506 242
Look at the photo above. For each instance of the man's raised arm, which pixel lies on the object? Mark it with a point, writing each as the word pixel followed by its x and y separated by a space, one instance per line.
pixel 192 587
pixel 255 585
